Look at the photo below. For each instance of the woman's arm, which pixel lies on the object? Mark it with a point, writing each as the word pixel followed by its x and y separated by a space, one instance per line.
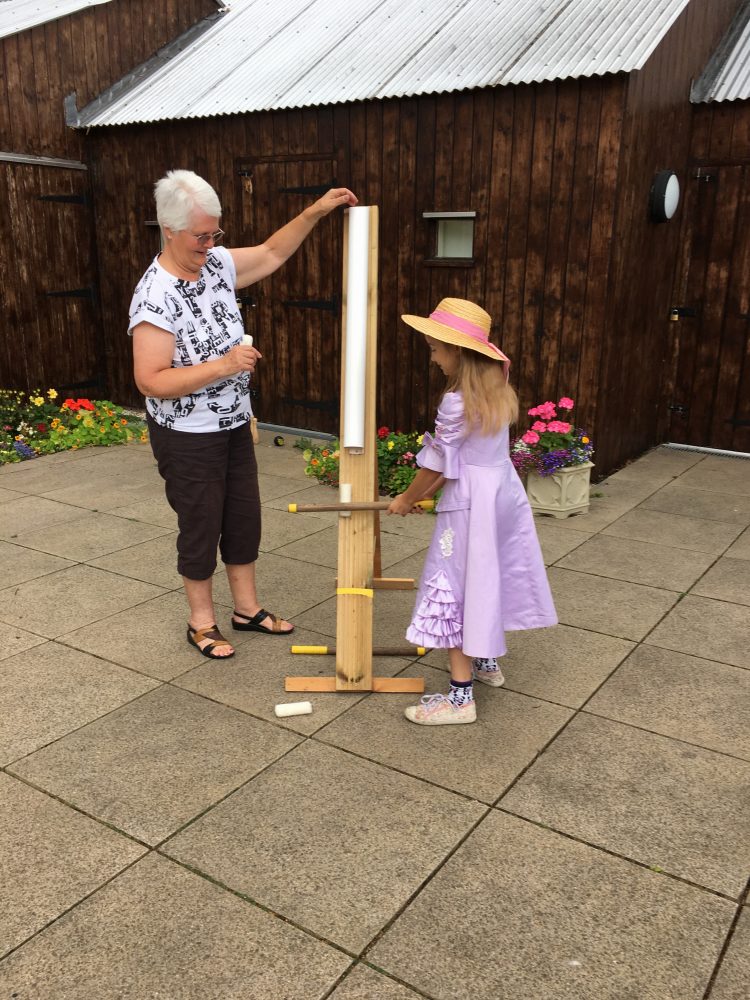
pixel 424 484
pixel 254 263
pixel 153 349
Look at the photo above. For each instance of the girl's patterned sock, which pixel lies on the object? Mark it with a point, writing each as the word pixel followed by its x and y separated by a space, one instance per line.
pixel 487 665
pixel 461 692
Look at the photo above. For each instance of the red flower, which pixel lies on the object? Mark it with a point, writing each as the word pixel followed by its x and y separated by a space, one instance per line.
pixel 70 404
pixel 383 432
pixel 86 404
pixel 41 428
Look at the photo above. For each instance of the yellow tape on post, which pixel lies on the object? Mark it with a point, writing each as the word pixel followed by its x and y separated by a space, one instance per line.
pixel 364 592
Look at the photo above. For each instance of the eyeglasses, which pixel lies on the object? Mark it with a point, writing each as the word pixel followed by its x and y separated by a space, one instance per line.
pixel 205 238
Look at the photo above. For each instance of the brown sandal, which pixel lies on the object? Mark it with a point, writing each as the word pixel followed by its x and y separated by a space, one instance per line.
pixel 197 635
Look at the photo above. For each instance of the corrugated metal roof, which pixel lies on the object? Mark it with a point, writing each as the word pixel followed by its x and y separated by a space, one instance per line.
pixel 727 76
pixel 18 15
pixel 268 54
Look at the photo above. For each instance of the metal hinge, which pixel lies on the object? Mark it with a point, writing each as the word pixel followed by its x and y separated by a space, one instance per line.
pixel 678 408
pixel 701 176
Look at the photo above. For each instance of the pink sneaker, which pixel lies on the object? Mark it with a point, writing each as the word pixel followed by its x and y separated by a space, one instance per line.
pixel 494 677
pixel 438 710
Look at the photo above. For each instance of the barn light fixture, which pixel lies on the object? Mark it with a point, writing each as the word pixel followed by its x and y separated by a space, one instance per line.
pixel 664 196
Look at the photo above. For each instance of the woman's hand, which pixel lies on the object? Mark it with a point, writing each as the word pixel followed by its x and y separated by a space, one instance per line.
pixel 335 198
pixel 241 359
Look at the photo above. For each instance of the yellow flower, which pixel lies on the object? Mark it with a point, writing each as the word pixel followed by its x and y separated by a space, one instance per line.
pixel 420 439
pixel 37 400
pixel 123 422
pixel 101 430
pixel 585 440
pixel 79 416
pixel 52 393
pixel 390 446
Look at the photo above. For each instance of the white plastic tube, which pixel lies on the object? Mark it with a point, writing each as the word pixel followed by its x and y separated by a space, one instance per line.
pixel 293 708
pixel 358 266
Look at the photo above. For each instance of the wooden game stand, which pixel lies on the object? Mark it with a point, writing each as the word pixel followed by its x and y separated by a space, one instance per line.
pixel 359 564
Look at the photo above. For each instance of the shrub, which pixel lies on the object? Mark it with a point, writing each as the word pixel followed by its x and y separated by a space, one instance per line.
pixel 396 453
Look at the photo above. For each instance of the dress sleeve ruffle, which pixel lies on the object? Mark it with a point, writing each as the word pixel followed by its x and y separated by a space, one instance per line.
pixel 440 452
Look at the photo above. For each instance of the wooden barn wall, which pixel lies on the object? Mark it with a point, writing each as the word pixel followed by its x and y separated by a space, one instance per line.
pixel 51 328
pixel 538 165
pixel 638 336
pixel 709 375
pixel 85 53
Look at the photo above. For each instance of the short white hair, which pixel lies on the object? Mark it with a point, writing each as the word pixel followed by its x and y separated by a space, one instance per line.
pixel 178 194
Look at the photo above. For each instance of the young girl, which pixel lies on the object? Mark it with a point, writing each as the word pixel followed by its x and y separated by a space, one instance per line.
pixel 484 572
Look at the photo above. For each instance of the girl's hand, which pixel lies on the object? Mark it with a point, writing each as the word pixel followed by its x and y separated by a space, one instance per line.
pixel 333 199
pixel 401 506
pixel 241 359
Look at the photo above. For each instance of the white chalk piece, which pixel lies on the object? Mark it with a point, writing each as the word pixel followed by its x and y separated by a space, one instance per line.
pixel 293 708
pixel 247 340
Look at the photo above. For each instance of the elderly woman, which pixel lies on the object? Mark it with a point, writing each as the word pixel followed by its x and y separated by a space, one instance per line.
pixel 194 370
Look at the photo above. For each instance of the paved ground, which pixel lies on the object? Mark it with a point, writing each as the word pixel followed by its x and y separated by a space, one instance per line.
pixel 163 835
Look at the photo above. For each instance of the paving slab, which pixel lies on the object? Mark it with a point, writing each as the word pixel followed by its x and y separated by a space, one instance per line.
pixel 150 638
pixel 391 615
pixel 638 562
pixel 107 492
pixel 562 664
pixel 609 501
pixel 253 681
pixel 31 512
pixel 160 931
pixel 688 502
pixel 18 563
pixel 535 914
pixel 615 607
pixel 52 858
pixel 733 980
pixel 273 487
pixel 70 598
pixel 155 510
pixel 665 804
pixel 50 690
pixel 16 640
pixel 557 542
pixel 363 983
pixel 332 842
pixel 322 547
pixel 87 537
pixel 727 580
pixel 714 630
pixel 681 696
pixel 154 561
pixel 693 533
pixel 741 548
pixel 719 475
pixel 480 760
pixel 6 495
pixel 285 586
pixel 280 528
pixel 156 763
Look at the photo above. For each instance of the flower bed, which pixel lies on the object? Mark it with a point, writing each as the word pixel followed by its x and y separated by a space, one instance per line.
pixel 396 452
pixel 550 443
pixel 32 424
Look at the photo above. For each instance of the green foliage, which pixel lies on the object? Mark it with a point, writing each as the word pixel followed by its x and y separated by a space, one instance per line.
pixel 32 423
pixel 396 453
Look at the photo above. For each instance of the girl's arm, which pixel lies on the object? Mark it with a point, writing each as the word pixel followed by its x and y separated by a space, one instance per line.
pixel 153 348
pixel 254 263
pixel 425 484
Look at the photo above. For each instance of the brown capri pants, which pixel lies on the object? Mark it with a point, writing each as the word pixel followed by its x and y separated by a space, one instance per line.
pixel 212 485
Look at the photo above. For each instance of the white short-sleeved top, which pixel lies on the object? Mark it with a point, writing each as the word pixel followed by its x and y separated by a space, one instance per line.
pixel 204 318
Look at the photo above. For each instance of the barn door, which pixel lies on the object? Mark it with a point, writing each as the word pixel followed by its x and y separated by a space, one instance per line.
pixel 710 394
pixel 49 299
pixel 294 315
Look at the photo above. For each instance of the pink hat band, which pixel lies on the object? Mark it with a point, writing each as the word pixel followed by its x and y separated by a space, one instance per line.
pixel 468 328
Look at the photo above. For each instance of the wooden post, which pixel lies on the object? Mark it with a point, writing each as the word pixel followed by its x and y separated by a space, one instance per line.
pixel 356 538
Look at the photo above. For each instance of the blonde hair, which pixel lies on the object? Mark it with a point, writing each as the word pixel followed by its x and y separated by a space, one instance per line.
pixel 490 401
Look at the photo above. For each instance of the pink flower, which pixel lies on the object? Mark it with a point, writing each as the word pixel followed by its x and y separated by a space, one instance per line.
pixel 540 426
pixel 566 403
pixel 530 437
pixel 560 426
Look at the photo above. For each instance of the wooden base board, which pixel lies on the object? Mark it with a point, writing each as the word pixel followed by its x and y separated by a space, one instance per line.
pixel 381 685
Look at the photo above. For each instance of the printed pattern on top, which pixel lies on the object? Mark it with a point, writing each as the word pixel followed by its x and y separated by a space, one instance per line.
pixel 204 318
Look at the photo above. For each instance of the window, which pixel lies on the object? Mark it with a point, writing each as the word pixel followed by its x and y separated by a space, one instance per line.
pixel 452 237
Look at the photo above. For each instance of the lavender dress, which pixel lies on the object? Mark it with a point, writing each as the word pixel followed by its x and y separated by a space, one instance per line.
pixel 483 574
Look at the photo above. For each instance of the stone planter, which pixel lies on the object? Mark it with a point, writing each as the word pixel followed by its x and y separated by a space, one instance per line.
pixel 562 494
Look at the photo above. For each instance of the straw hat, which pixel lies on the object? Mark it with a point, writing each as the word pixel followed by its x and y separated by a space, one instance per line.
pixel 462 323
